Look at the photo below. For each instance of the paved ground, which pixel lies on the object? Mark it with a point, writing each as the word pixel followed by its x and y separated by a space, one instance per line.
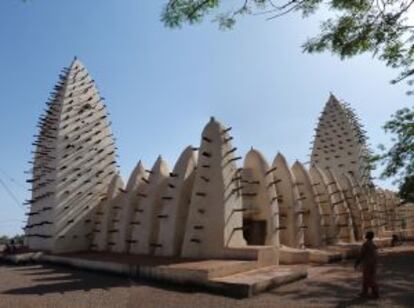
pixel 327 286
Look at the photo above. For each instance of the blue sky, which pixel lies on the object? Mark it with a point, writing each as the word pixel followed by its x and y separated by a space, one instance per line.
pixel 162 85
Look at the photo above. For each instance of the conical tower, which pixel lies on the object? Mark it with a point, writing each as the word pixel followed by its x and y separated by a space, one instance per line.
pixel 340 142
pixel 215 218
pixel 74 160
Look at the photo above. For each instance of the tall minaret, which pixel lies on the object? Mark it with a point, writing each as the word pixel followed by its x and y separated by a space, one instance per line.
pixel 74 161
pixel 340 142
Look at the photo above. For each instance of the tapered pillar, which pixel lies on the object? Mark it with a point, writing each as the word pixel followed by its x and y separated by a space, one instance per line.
pixel 175 205
pixel 347 184
pixel 290 205
pixel 105 226
pixel 329 228
pixel 131 197
pixel 314 237
pixel 146 223
pixel 215 221
pixel 342 213
pixel 260 202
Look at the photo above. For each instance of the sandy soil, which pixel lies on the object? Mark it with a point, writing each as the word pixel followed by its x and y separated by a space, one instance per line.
pixel 334 285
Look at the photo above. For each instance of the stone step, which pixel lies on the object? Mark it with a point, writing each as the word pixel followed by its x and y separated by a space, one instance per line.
pixel 321 256
pixel 233 278
pixel 289 255
pixel 204 270
pixel 249 283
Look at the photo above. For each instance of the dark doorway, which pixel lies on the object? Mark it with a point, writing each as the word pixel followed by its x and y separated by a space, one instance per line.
pixel 254 231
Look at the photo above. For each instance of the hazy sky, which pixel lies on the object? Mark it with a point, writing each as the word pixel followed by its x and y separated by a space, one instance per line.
pixel 162 85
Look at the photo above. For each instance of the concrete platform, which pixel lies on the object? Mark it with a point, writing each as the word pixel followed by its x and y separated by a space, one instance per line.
pixel 347 250
pixel 288 255
pixel 321 256
pixel 351 250
pixel 253 282
pixel 21 258
pixel 383 242
pixel 235 278
pixel 340 251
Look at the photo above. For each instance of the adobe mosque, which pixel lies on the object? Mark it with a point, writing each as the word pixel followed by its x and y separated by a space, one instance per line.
pixel 213 204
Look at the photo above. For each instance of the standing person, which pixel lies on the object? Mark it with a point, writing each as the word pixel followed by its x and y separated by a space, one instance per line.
pixel 12 247
pixel 369 259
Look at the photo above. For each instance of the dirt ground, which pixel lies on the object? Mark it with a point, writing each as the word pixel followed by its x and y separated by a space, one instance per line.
pixel 334 285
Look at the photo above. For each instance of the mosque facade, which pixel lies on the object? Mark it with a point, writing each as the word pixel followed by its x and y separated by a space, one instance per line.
pixel 212 203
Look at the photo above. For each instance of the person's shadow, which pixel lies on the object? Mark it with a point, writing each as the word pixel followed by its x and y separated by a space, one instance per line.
pixel 57 279
pixel 355 301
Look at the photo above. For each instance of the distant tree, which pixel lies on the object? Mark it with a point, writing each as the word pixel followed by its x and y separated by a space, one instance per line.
pixel 19 239
pixel 399 158
pixel 407 189
pixel 4 240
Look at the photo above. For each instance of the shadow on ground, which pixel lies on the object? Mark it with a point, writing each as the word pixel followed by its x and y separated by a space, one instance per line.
pixel 49 279
pixel 336 286
pixel 55 279
pixel 339 285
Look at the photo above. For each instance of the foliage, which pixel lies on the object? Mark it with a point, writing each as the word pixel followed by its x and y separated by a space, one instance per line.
pixel 18 239
pixel 4 240
pixel 407 189
pixel 399 158
pixel 381 27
